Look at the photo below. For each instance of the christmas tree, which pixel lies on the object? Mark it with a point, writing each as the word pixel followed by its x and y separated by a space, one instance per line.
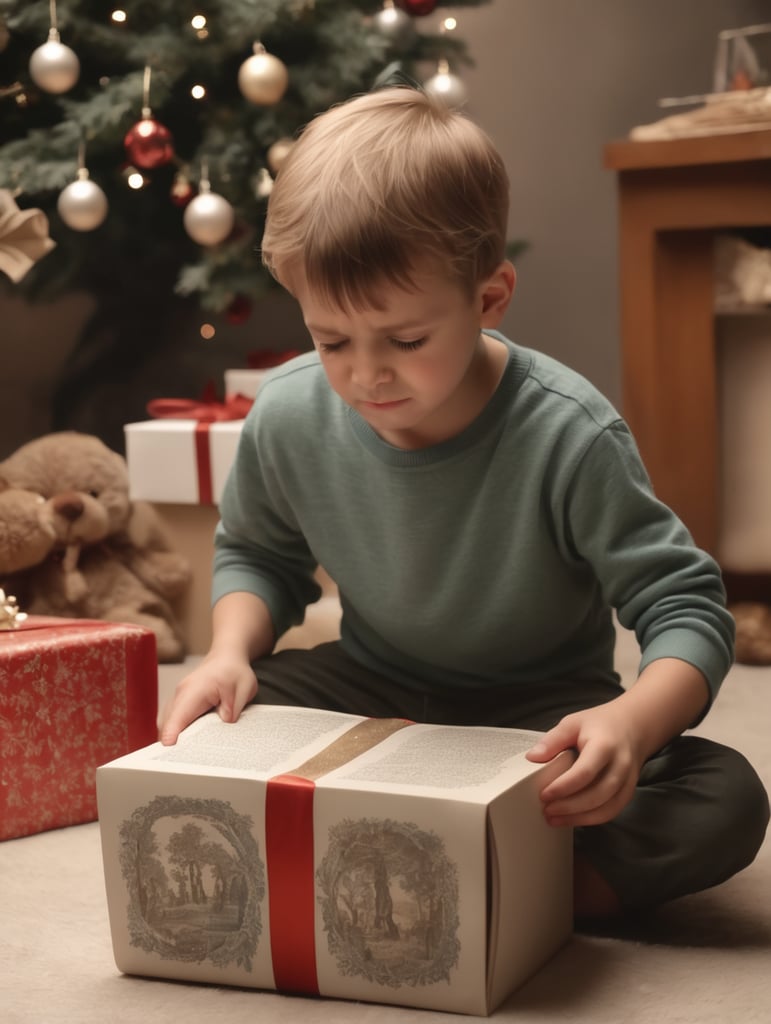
pixel 150 133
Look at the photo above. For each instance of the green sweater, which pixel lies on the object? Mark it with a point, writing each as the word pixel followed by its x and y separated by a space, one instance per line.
pixel 495 557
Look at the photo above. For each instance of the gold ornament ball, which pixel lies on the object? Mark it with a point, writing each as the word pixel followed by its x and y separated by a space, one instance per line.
pixel 54 67
pixel 82 205
pixel 263 79
pixel 209 218
pixel 278 153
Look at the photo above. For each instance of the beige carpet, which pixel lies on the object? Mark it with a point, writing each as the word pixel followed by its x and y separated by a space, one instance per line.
pixel 705 959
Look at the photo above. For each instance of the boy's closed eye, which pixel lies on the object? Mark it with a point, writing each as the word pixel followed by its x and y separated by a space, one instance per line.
pixel 330 347
pixel 408 346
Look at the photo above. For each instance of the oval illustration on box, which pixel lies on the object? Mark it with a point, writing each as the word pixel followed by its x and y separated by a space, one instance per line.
pixel 389 900
pixel 195 881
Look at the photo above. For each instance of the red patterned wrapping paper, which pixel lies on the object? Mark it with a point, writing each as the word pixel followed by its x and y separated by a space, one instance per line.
pixel 74 693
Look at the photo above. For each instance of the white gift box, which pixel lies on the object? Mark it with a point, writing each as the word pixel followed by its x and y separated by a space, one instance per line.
pixel 180 461
pixel 314 852
pixel 243 382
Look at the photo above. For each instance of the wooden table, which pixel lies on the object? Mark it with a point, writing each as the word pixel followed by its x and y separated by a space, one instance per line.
pixel 673 196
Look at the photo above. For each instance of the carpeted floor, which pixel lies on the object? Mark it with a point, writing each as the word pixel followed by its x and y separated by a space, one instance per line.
pixel 703 959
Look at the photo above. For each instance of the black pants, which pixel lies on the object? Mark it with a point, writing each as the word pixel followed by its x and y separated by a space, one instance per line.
pixel 699 813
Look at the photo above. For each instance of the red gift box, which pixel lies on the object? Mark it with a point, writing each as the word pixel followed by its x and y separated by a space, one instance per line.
pixel 74 693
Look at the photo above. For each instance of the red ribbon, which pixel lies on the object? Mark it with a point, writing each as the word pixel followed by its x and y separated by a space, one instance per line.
pixel 289 856
pixel 233 408
pixel 205 411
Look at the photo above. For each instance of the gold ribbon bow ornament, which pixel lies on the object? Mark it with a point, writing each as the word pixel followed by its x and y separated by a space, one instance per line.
pixel 23 237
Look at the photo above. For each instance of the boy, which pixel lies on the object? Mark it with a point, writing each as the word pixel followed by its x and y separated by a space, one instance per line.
pixel 481 508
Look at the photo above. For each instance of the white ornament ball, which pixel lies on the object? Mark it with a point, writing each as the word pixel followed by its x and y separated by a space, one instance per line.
pixel 82 205
pixel 278 153
pixel 263 184
pixel 448 88
pixel 263 79
pixel 393 23
pixel 54 67
pixel 209 218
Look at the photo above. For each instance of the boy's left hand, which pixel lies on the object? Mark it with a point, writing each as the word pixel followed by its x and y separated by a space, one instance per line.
pixel 601 781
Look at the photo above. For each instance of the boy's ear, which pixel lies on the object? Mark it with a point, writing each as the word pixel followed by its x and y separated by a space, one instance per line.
pixel 495 294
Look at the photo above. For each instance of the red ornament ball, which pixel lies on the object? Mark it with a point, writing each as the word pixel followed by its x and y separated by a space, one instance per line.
pixel 181 192
pixel 418 8
pixel 149 144
pixel 239 310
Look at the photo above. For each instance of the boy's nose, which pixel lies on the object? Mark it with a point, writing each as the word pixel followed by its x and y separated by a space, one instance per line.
pixel 369 373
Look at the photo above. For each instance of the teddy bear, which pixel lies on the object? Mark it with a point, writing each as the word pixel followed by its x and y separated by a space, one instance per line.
pixel 25 539
pixel 73 544
pixel 753 632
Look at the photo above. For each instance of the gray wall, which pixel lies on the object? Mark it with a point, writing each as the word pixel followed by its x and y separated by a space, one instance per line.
pixel 555 80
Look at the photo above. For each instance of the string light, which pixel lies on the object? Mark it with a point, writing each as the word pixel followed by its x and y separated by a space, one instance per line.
pixel 444 84
pixel 198 22
pixel 198 92
pixel 134 179
pixel 207 331
pixel 118 16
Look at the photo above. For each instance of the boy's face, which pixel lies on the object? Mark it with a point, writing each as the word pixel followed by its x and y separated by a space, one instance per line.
pixel 418 370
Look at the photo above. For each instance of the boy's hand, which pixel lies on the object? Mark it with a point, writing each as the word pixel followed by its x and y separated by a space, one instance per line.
pixel 221 682
pixel 602 780
pixel 613 741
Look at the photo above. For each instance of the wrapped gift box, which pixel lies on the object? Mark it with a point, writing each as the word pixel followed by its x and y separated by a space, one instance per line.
pixel 243 382
pixel 73 694
pixel 315 852
pixel 183 461
pixel 247 382
pixel 181 466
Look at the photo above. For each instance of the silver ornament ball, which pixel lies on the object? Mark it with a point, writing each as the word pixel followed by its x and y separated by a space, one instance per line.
pixel 447 87
pixel 393 23
pixel 82 205
pixel 263 79
pixel 278 152
pixel 54 67
pixel 208 218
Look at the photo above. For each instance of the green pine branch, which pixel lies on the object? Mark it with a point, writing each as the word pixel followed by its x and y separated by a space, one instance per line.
pixel 330 49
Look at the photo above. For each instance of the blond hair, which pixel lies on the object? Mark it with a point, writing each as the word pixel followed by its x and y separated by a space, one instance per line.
pixel 381 187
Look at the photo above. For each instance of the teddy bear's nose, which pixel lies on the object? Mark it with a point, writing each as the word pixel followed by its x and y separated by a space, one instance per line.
pixel 70 508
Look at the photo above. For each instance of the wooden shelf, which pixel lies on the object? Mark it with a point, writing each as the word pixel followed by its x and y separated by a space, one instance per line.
pixel 673 197
pixel 736 147
pixel 745 310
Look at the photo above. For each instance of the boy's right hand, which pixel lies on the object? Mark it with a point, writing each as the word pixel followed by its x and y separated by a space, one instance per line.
pixel 220 681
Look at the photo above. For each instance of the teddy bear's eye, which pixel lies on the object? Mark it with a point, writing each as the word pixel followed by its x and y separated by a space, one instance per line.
pixel 94 494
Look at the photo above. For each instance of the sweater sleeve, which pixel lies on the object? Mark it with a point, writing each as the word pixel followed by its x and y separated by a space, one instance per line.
pixel 662 586
pixel 259 547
